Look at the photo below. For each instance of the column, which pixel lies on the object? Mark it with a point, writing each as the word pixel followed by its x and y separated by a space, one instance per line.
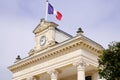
pixel 95 75
pixel 102 79
pixel 80 69
pixel 31 78
pixel 53 74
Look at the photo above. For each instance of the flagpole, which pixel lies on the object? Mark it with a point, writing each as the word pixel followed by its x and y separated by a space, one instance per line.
pixel 46 14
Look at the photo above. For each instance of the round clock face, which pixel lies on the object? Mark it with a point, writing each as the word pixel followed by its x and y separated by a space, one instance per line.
pixel 42 40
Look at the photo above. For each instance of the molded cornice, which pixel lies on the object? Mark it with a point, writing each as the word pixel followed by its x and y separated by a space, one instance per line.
pixel 77 42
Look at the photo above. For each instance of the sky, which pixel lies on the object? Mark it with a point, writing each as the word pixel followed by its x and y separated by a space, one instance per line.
pixel 99 19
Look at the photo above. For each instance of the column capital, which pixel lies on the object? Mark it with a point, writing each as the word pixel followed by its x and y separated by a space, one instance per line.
pixel 31 78
pixel 53 73
pixel 80 64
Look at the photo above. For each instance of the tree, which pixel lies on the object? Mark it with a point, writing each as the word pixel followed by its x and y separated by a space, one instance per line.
pixel 109 62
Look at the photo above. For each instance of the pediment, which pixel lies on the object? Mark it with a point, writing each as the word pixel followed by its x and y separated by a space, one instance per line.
pixel 44 25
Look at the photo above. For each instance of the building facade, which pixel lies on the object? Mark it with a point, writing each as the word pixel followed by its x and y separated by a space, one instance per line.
pixel 58 56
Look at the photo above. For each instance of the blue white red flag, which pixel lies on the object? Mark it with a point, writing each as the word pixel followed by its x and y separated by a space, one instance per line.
pixel 52 11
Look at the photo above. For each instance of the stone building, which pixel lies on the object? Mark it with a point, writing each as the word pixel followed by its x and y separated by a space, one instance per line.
pixel 58 56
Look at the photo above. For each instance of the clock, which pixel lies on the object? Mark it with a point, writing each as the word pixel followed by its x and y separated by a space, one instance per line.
pixel 42 40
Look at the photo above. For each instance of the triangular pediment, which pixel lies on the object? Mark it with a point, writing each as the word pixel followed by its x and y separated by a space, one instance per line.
pixel 44 25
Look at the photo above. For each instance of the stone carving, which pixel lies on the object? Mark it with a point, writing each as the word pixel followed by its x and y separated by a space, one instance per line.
pixel 53 73
pixel 32 51
pixel 81 64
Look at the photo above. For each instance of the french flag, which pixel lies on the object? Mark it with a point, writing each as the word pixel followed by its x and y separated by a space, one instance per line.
pixel 52 11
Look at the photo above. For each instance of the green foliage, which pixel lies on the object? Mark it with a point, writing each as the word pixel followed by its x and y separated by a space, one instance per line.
pixel 109 62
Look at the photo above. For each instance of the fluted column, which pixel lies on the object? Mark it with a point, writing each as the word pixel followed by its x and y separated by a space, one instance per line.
pixel 53 74
pixel 80 69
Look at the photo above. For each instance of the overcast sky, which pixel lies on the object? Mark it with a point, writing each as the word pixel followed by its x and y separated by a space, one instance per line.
pixel 99 19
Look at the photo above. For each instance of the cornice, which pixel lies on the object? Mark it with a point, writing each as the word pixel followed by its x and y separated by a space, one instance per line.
pixel 59 49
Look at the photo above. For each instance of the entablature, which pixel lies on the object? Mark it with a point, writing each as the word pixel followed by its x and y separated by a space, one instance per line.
pixel 63 48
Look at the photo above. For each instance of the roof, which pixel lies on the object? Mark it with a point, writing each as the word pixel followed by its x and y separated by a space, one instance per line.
pixel 63 32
